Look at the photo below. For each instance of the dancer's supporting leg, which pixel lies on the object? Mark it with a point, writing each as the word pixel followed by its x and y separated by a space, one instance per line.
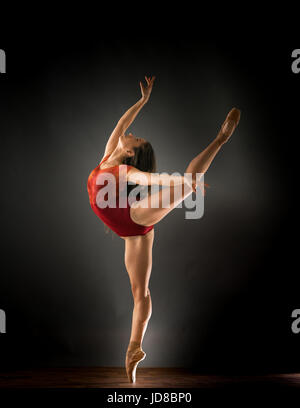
pixel 138 261
pixel 149 215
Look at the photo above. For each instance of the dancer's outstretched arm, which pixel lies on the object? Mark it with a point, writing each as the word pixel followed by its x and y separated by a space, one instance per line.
pixel 129 116
pixel 163 179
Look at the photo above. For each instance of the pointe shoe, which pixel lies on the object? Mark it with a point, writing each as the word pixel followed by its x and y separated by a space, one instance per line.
pixel 229 125
pixel 133 357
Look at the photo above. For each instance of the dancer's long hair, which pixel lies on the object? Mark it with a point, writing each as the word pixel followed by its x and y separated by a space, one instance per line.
pixel 144 159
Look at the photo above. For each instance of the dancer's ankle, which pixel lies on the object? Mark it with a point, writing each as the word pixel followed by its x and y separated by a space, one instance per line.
pixel 134 345
pixel 221 139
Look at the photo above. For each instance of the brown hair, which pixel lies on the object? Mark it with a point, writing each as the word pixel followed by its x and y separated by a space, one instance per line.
pixel 144 159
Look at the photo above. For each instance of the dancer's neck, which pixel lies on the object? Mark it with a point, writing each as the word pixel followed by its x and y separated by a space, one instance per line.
pixel 117 157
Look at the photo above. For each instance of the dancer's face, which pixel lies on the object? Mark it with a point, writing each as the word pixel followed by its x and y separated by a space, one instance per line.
pixel 128 142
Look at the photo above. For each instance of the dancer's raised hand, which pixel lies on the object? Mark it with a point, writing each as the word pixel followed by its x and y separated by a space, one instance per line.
pixel 147 89
pixel 199 184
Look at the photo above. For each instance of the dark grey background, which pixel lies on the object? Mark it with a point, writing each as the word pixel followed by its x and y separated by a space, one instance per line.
pixel 223 287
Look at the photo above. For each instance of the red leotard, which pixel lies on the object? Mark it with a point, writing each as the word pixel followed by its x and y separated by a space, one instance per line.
pixel 118 219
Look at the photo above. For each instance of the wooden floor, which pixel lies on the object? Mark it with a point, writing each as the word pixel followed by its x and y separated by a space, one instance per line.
pixel 111 377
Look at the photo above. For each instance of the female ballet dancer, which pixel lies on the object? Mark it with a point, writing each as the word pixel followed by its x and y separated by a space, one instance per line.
pixel 135 223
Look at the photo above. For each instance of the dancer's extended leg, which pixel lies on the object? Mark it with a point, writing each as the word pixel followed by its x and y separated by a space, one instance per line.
pixel 149 215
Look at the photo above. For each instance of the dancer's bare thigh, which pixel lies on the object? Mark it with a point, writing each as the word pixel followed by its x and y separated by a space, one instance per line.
pixel 158 205
pixel 138 260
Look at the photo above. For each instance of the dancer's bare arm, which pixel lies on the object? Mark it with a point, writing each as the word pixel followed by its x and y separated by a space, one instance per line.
pixel 163 179
pixel 129 116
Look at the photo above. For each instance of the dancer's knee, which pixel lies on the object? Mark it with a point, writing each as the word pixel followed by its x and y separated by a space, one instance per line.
pixel 139 292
